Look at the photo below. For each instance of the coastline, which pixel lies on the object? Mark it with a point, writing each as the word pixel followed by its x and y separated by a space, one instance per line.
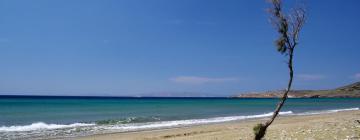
pixel 339 125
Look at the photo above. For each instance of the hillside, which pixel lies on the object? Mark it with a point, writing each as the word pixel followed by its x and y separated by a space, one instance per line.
pixel 349 91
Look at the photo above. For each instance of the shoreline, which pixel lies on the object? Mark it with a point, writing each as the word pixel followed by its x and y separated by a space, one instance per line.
pixel 338 125
pixel 126 115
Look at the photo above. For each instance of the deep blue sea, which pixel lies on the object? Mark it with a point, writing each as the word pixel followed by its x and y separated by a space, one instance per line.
pixel 39 117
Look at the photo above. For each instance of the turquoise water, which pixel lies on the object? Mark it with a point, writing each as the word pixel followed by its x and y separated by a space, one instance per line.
pixel 43 117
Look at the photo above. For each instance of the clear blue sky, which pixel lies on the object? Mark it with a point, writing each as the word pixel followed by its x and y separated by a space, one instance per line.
pixel 169 47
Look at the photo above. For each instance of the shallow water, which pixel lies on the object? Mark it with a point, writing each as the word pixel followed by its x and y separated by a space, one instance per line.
pixel 44 117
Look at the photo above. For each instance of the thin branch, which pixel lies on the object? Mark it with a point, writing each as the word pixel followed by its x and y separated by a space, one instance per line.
pixel 288 28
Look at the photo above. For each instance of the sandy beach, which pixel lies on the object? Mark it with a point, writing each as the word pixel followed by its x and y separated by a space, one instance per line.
pixel 340 125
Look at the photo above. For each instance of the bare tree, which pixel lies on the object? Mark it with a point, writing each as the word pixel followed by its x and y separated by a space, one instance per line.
pixel 288 27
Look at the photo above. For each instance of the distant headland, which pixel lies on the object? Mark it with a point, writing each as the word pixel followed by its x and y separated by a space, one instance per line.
pixel 348 91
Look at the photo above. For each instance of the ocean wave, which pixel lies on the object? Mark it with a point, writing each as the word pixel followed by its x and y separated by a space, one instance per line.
pixel 327 111
pixel 177 123
pixel 155 123
pixel 41 126
pixel 127 120
pixel 169 124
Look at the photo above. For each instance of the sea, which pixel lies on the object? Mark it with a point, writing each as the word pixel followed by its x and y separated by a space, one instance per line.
pixel 44 117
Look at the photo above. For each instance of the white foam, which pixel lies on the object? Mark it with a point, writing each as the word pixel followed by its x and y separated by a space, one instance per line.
pixel 327 111
pixel 346 109
pixel 168 124
pixel 154 125
pixel 134 126
pixel 40 126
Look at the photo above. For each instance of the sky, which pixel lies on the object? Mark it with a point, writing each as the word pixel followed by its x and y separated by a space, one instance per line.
pixel 170 47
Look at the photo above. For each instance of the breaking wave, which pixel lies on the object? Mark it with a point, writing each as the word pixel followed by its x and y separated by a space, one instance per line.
pixel 41 129
pixel 41 126
pixel 327 111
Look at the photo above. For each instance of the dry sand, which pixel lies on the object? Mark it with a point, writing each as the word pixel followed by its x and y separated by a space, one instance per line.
pixel 333 126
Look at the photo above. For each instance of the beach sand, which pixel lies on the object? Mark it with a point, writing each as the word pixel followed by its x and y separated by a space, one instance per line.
pixel 332 126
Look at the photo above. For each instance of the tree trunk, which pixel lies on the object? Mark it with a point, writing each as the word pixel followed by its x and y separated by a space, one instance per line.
pixel 262 128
